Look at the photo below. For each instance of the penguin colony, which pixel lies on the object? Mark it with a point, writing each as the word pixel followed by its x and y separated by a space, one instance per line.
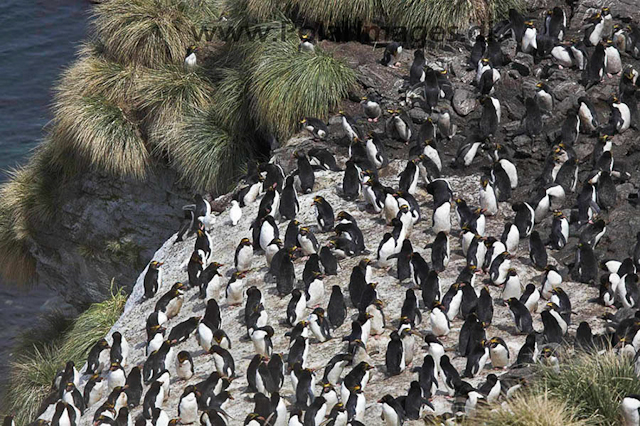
pixel 292 328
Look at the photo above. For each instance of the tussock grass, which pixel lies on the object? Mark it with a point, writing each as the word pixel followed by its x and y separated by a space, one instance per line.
pixel 205 154
pixel 17 265
pixel 92 75
pixel 342 12
pixel 168 94
pixel 99 134
pixel 151 33
pixel 526 409
pixel 287 85
pixel 263 10
pixel 594 384
pixel 231 102
pixel 448 15
pixel 28 199
pixel 35 366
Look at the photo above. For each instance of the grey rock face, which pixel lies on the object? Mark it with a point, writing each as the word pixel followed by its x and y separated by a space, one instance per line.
pixel 106 229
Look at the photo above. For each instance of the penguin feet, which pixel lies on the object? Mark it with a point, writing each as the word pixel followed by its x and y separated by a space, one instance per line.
pixel 369 120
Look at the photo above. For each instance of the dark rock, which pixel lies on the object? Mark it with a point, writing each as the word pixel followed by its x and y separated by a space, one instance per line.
pixel 568 89
pixel 464 101
pixel 107 229
pixel 418 115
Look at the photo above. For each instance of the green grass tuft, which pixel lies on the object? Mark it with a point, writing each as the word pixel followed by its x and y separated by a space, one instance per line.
pixel 287 85
pixel 450 16
pixel 168 94
pixel 99 134
pixel 205 154
pixel 341 12
pixel 35 366
pixel 594 384
pixel 151 33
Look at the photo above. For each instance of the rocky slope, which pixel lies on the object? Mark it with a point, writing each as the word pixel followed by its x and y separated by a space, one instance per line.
pixel 623 222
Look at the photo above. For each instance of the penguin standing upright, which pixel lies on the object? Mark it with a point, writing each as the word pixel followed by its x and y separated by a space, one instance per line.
pixel 190 60
pixel 613 63
pixel 153 279
pixel 537 251
pixel 525 218
pixel 432 90
pixel 235 212
pixel 349 126
pixel 594 71
pixel 488 199
pixel 477 51
pixel 400 126
pixel 304 172
pixel 351 181
pixel 529 38
pixel 324 213
pixel 243 255
pixel 119 349
pixel 289 205
pixel 416 73
pixel 593 33
pixel 337 309
pixel 188 405
pixel 521 316
pixel 395 357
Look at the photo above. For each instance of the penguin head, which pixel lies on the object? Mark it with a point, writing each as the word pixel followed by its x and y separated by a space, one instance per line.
pixel 551 306
pixel 195 257
pixel 245 242
pixel 238 275
pixel 192 49
pixel 547 352
pixel 595 18
pixel 387 399
pixel 484 181
pixel 529 24
pixel 178 287
pixel 541 86
pixel 155 264
pixel 606 11
pixel 115 366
